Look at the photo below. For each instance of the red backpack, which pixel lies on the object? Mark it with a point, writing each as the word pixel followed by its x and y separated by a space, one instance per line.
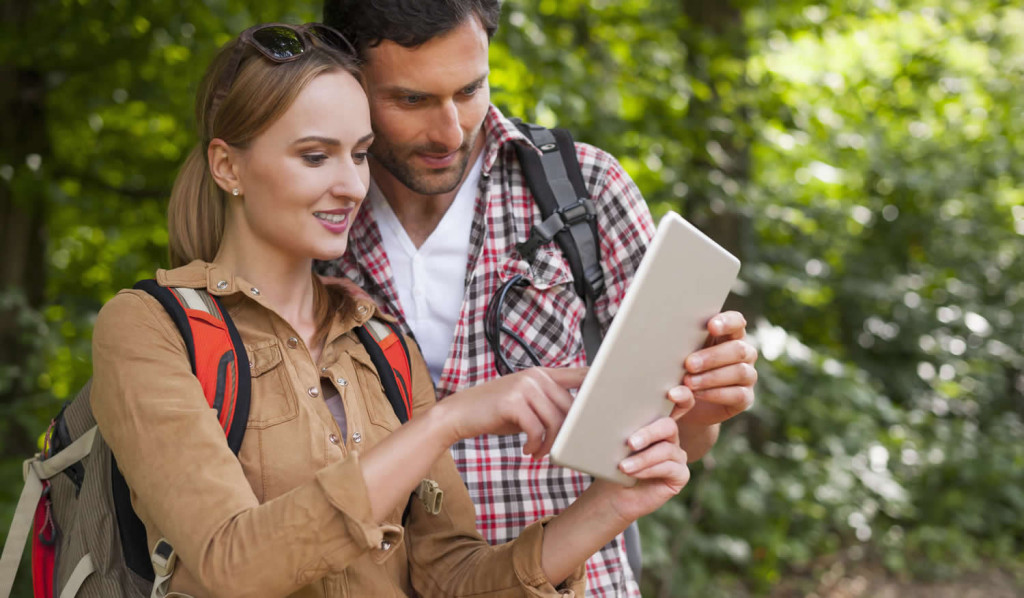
pixel 86 539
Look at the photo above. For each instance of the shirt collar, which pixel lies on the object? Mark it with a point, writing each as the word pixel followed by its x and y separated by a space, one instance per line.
pixel 499 131
pixel 220 282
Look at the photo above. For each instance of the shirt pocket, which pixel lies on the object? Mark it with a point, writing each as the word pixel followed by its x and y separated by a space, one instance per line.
pixel 372 396
pixel 273 398
pixel 543 310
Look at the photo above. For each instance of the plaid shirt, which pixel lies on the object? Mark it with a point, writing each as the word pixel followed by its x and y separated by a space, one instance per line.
pixel 512 490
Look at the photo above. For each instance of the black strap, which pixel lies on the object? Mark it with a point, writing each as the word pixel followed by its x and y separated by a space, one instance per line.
pixel 568 216
pixel 384 369
pixel 130 528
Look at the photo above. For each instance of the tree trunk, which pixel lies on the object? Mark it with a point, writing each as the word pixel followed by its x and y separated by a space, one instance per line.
pixel 24 150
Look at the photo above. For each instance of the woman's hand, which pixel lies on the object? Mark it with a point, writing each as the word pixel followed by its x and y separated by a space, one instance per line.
pixel 658 465
pixel 534 401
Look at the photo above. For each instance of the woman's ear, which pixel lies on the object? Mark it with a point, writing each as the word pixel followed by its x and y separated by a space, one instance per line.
pixel 223 160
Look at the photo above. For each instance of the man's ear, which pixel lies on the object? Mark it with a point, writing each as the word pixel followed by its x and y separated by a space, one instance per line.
pixel 224 167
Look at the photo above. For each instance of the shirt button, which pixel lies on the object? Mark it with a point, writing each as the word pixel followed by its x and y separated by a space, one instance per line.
pixel 222 284
pixel 333 438
pixel 357 437
pixel 342 382
pixel 313 391
pixel 385 545
pixel 255 291
pixel 293 342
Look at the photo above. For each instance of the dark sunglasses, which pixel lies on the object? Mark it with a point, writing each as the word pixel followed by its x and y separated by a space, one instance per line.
pixel 279 43
pixel 494 328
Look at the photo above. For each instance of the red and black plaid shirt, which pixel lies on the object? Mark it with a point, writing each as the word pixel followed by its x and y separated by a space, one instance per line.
pixel 512 490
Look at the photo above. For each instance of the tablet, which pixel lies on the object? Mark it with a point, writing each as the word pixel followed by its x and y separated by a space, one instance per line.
pixel 681 283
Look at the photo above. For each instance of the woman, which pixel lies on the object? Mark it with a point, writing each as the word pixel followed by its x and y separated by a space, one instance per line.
pixel 313 504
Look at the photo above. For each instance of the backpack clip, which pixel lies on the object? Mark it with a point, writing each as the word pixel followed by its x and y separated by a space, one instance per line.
pixel 431 495
pixel 164 558
pixel 562 219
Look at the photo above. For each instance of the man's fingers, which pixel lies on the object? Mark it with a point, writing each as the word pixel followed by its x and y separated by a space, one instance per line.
pixel 652 455
pixel 728 323
pixel 727 353
pixel 683 399
pixel 664 428
pixel 738 374
pixel 733 400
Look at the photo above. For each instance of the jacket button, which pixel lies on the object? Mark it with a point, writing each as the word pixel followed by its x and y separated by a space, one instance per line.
pixel 313 391
pixel 222 284
pixel 333 438
pixel 293 342
pixel 342 382
pixel 357 437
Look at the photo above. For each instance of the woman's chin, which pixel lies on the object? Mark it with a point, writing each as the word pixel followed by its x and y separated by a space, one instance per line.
pixel 327 254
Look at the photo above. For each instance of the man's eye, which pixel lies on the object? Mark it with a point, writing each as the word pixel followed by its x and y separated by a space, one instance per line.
pixel 314 159
pixel 412 99
pixel 471 89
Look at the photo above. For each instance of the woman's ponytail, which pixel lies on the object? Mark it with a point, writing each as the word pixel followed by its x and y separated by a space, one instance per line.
pixel 195 215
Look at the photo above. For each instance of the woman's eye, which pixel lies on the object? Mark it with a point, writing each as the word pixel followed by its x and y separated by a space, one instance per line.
pixel 314 159
pixel 360 157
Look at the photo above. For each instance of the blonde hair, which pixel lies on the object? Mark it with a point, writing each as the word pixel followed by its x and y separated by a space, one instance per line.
pixel 261 92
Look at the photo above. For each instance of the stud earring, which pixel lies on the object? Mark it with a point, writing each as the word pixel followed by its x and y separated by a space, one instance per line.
pixel 236 192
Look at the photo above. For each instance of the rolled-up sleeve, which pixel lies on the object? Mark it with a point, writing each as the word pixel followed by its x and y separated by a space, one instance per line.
pixel 188 486
pixel 449 558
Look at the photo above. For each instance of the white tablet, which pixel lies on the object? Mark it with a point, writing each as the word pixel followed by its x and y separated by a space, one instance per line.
pixel 682 282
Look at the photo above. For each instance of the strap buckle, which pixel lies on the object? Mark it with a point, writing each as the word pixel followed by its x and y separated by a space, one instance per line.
pixel 164 558
pixel 562 219
pixel 431 495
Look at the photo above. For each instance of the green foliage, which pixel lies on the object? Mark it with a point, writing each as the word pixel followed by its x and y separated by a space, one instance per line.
pixel 859 156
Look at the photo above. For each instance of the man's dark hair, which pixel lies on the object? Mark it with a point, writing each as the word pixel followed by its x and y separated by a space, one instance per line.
pixel 408 23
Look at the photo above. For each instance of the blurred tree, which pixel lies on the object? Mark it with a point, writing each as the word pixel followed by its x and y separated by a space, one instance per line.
pixel 861 157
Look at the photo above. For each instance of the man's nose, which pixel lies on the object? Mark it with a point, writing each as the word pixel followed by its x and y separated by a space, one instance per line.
pixel 446 129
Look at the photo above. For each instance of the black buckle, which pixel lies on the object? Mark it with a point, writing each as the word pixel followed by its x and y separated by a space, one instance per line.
pixel 563 218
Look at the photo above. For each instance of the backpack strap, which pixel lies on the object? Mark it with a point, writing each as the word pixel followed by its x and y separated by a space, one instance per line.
pixel 390 356
pixel 569 216
pixel 219 361
pixel 215 351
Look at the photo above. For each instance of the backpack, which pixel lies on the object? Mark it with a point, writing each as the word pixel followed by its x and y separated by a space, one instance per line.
pixel 569 218
pixel 86 539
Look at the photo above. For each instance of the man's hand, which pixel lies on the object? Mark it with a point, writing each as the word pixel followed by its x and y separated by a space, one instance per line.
pixel 719 383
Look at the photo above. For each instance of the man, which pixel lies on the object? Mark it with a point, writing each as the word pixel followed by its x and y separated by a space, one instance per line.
pixel 436 239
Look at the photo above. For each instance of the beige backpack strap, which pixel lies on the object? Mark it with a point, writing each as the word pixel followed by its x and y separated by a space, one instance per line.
pixel 163 559
pixel 83 570
pixel 35 470
pixel 20 527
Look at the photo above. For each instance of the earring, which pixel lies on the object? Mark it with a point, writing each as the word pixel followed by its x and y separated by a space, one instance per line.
pixel 236 192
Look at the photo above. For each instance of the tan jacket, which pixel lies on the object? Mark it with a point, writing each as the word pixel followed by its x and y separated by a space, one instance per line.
pixel 290 515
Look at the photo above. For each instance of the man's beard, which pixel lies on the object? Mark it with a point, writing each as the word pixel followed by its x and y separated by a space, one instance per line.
pixel 425 181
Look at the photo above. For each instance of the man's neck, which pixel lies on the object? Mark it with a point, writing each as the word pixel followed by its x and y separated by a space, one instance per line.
pixel 419 214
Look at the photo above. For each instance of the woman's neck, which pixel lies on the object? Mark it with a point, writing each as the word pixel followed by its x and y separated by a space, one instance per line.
pixel 284 282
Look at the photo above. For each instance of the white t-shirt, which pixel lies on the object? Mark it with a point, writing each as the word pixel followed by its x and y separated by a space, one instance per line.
pixel 431 280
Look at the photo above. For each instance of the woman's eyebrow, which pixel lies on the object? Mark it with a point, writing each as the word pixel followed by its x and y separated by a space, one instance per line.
pixel 319 139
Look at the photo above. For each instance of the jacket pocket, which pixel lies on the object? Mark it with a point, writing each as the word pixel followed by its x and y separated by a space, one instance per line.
pixel 544 311
pixel 273 398
pixel 375 400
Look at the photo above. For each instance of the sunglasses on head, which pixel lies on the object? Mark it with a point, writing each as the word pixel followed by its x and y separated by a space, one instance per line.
pixel 279 43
